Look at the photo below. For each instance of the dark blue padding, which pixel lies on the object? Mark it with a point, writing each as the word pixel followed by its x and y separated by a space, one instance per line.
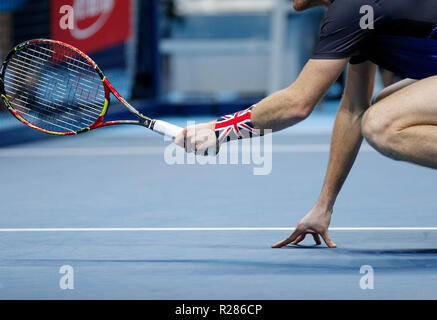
pixel 409 57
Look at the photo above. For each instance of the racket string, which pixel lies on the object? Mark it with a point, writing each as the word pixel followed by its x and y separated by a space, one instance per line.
pixel 96 84
pixel 97 110
pixel 47 114
pixel 15 85
pixel 68 129
pixel 48 80
pixel 66 50
pixel 92 73
pixel 54 88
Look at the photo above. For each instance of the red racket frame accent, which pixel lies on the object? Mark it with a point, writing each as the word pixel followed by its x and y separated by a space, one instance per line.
pixel 107 86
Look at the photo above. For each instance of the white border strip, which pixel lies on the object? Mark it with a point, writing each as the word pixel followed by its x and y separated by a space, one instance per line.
pixel 209 229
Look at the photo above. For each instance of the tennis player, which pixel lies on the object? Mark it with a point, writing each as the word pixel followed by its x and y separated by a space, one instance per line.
pixel 401 123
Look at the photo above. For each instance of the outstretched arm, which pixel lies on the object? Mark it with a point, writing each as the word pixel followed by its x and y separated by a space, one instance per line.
pixel 295 103
pixel 276 112
pixel 346 141
pixel 347 137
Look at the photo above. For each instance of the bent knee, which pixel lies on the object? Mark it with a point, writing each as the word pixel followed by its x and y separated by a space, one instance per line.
pixel 372 126
pixel 380 133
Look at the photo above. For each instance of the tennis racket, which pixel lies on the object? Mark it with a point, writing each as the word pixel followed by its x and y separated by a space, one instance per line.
pixel 57 89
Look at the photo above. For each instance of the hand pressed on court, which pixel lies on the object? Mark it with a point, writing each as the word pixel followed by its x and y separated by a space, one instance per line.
pixel 316 223
pixel 198 138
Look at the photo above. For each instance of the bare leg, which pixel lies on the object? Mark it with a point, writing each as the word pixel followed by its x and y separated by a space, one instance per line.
pixel 393 88
pixel 388 77
pixel 403 126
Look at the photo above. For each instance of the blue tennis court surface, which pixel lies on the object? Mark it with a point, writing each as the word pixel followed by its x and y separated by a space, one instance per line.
pixel 118 178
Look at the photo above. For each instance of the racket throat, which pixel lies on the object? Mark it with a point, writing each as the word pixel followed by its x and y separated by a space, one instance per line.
pixel 147 122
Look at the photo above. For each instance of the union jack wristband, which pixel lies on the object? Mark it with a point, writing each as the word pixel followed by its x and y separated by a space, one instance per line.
pixel 235 126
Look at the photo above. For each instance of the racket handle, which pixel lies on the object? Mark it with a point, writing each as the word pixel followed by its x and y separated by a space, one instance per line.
pixel 166 129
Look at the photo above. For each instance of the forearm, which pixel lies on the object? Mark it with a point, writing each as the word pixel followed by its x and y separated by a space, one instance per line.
pixel 281 110
pixel 285 107
pixel 345 144
pixel 276 112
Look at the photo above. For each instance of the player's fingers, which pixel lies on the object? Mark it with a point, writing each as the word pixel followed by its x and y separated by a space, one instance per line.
pixel 203 149
pixel 189 148
pixel 206 143
pixel 208 146
pixel 180 138
pixel 190 145
pixel 193 140
pixel 288 240
pixel 200 150
pixel 328 240
pixel 189 140
pixel 299 239
pixel 316 238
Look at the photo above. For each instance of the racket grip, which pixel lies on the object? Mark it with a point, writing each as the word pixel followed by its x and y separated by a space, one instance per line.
pixel 166 129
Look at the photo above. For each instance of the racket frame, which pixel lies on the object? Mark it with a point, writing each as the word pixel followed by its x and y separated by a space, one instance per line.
pixel 109 88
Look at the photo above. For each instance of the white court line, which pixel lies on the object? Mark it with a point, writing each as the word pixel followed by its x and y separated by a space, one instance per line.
pixel 210 229
pixel 122 151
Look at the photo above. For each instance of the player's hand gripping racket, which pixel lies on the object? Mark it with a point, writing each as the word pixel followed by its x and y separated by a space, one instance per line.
pixel 57 89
